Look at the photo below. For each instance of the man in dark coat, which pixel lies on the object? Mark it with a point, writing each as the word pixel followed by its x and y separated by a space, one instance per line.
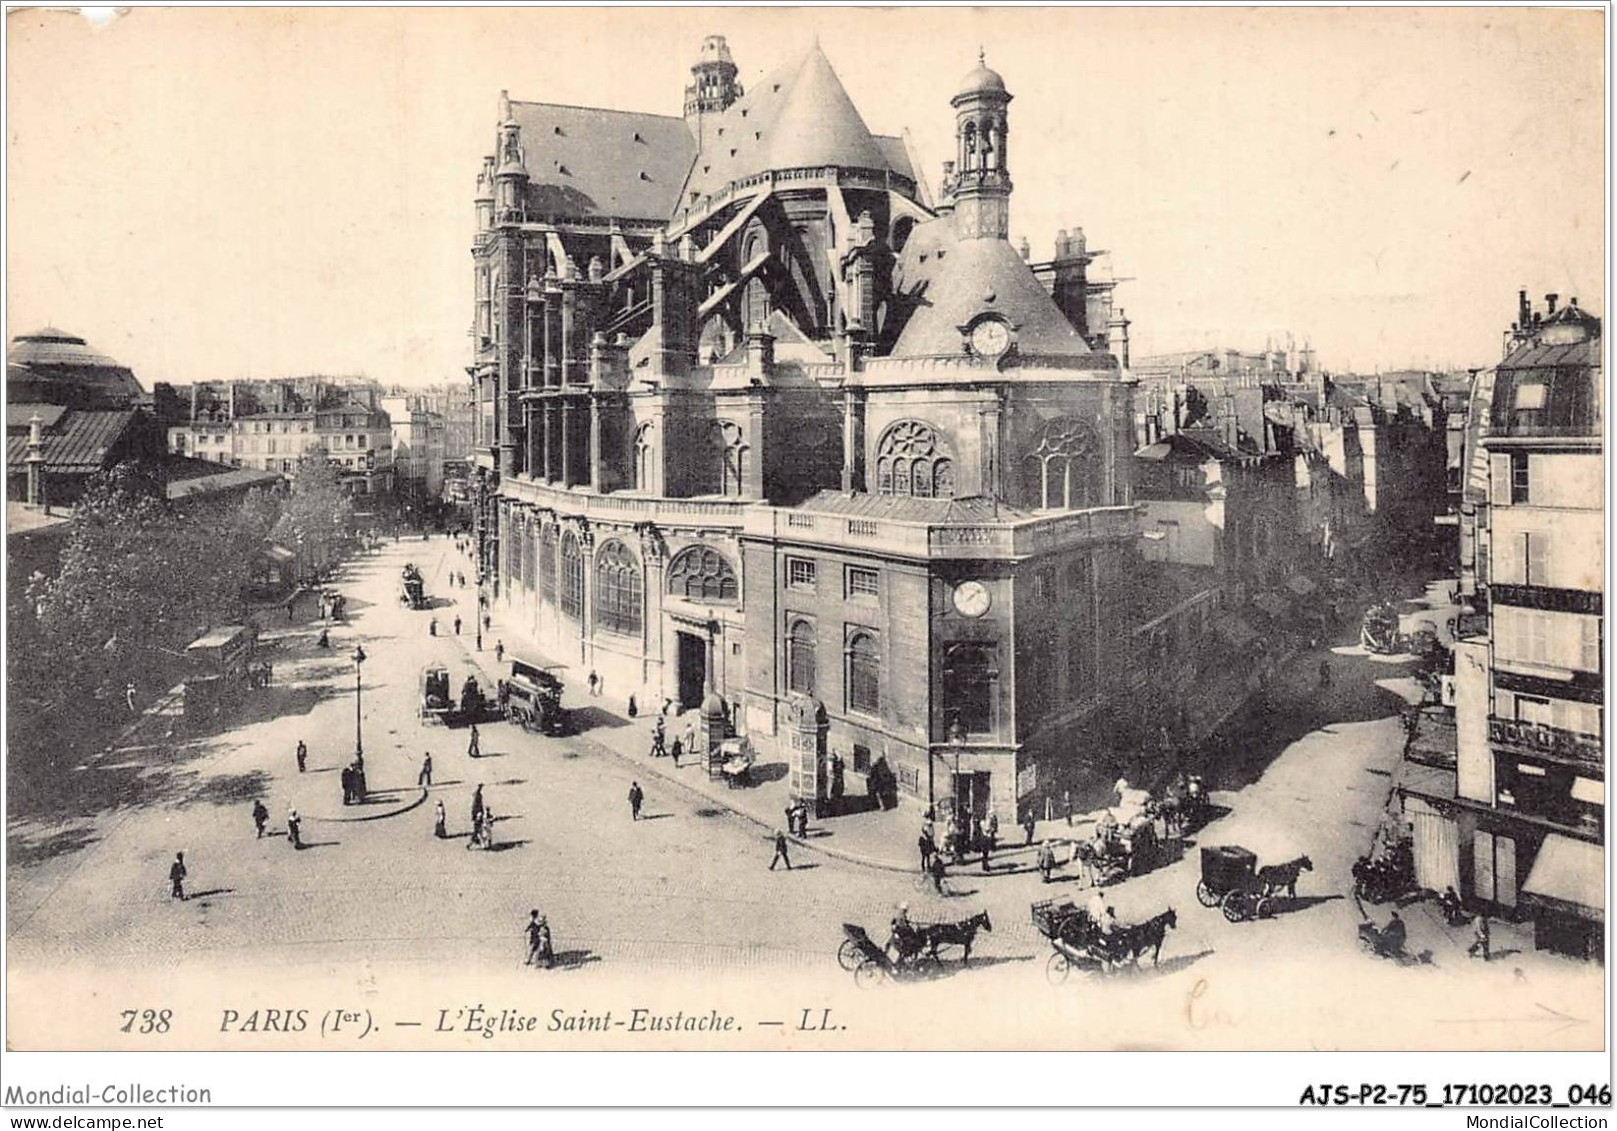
pixel 176 877
pixel 347 776
pixel 477 804
pixel 260 817
pixel 294 829
pixel 303 756
pixel 637 797
pixel 424 778
pixel 927 846
pixel 540 952
pixel 780 852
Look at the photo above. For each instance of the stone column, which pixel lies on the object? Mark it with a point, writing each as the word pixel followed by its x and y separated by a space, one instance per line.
pixel 550 442
pixel 752 468
pixel 595 444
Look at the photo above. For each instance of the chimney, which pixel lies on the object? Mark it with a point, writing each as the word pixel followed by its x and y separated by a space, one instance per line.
pixel 36 463
pixel 1524 309
pixel 1550 300
pixel 1573 302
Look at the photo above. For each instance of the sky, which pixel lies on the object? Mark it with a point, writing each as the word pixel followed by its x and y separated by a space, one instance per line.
pixel 215 193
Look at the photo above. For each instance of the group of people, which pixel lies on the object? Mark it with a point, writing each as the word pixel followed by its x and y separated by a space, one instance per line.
pixel 353 783
pixel 797 817
pixel 482 822
pixel 659 741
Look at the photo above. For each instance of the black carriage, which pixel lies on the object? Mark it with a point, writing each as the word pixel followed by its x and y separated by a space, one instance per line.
pixel 1076 939
pixel 1230 881
pixel 871 964
pixel 436 704
pixel 533 698
pixel 412 587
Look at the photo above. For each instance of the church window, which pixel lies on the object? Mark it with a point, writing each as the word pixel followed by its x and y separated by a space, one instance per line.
pixel 912 460
pixel 864 673
pixel 801 643
pixel 645 457
pixel 617 589
pixel 970 680
pixel 547 564
pixel 703 575
pixel 1063 469
pixel 730 451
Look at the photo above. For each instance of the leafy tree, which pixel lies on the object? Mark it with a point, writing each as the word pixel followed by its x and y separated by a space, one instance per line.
pixel 317 520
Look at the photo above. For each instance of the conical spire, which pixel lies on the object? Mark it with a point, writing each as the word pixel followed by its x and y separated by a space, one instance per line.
pixel 818 123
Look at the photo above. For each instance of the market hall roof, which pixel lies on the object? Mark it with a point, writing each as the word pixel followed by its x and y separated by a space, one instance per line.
pixel 78 442
pixel 57 367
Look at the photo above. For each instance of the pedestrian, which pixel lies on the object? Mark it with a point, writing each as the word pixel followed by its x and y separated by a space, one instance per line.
pixel 690 736
pixel 477 830
pixel 440 821
pixel 457 624
pixel 1066 804
pixel 432 626
pixel 260 817
pixel 129 696
pixel 992 830
pixel 474 748
pixel 176 877
pixel 539 948
pixel 347 777
pixel 927 847
pixel 802 819
pixel 477 803
pixel 302 755
pixel 667 703
pixel 938 870
pixel 1028 826
pixel 791 818
pixel 294 828
pixel 488 829
pixel 838 783
pixel 637 797
pixel 424 778
pixel 488 622
pixel 1047 860
pixel 634 708
pixel 499 651
pixel 360 792
pixel 1479 938
pixel 657 733
pixel 780 852
pixel 676 750
pixel 594 681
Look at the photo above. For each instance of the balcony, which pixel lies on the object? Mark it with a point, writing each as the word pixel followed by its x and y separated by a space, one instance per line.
pixel 622 507
pixel 1008 539
pixel 1552 744
pixel 1543 597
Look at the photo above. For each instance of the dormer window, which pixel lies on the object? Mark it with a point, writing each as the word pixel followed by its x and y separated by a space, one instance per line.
pixel 638 138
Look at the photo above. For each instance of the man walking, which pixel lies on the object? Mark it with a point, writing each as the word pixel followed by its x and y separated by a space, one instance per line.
pixel 657 733
pixel 927 846
pixel 938 870
pixel 539 948
pixel 637 797
pixel 260 817
pixel 780 852
pixel 474 748
pixel 676 750
pixel 347 777
pixel 1047 861
pixel 303 756
pixel 457 624
pixel 1479 938
pixel 499 651
pixel 294 828
pixel 424 778
pixel 477 805
pixel 440 821
pixel 176 877
pixel 594 681
pixel 1028 826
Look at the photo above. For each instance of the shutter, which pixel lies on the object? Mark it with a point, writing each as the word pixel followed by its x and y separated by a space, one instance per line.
pixel 1499 493
pixel 1505 865
pixel 1482 881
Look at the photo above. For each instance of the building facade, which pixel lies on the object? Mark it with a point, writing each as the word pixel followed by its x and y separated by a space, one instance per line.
pixel 1518 824
pixel 418 444
pixel 765 431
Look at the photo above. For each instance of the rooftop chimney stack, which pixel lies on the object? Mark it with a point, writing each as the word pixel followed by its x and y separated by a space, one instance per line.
pixel 1550 300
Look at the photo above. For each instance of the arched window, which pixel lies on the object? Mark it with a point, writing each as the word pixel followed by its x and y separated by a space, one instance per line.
pixel 644 457
pixel 864 674
pixel 912 460
pixel 730 451
pixel 547 564
pixel 617 589
pixel 1063 470
pixel 969 681
pixel 572 576
pixel 801 643
pixel 703 575
pixel 529 565
pixel 968 148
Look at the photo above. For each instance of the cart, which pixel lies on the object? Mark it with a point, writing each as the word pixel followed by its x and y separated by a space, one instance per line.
pixel 1076 941
pixel 435 702
pixel 534 698
pixel 871 964
pixel 1230 881
pixel 736 757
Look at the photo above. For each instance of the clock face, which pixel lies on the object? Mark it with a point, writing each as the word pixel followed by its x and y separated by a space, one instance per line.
pixel 971 598
pixel 990 337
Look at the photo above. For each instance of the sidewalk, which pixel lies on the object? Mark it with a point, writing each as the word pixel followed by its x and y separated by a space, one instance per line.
pixel 870 837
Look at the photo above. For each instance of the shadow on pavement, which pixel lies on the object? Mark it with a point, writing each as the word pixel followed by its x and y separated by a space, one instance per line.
pixel 1168 965
pixel 25 852
pixel 573 959
pixel 588 718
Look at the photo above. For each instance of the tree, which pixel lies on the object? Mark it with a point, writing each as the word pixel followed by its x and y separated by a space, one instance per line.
pixel 317 520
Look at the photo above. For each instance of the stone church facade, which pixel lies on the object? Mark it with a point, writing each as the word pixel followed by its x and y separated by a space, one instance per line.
pixel 761 424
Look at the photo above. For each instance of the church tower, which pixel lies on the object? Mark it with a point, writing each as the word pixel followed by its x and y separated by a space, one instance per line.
pixel 713 87
pixel 982 178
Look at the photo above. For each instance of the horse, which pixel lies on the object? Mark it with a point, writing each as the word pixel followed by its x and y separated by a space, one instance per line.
pixel 960 934
pixel 1148 935
pixel 1276 878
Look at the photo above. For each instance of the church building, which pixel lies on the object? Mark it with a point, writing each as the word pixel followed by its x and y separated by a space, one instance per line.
pixel 766 429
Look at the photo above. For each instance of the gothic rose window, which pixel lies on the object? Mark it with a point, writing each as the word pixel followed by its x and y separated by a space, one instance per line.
pixel 912 460
pixel 617 589
pixel 1063 469
pixel 572 576
pixel 702 575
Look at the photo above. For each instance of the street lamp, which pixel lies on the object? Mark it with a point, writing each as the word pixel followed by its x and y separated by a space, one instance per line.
pixel 359 738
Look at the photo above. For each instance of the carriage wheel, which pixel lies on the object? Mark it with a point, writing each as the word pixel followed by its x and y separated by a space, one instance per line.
pixel 1205 895
pixel 1236 906
pixel 1057 969
pixel 1265 907
pixel 926 965
pixel 848 956
pixel 868 973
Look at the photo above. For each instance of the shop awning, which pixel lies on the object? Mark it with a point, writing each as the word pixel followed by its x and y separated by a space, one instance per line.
pixel 1300 585
pixel 1569 875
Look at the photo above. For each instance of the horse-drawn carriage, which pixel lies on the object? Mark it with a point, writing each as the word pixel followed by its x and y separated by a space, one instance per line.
pixel 438 705
pixel 1379 631
pixel 412 587
pixel 533 698
pixel 913 951
pixel 1232 880
pixel 435 702
pixel 1080 943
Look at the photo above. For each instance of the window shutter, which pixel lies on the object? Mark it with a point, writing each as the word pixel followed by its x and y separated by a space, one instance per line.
pixel 1499 495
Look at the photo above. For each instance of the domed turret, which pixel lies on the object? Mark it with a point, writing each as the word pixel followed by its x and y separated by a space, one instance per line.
pixel 982 78
pixel 982 174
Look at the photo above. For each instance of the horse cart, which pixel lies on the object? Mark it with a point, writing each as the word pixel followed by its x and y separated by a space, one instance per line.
pixel 871 964
pixel 1230 881
pixel 436 704
pixel 412 587
pixel 533 698
pixel 1075 938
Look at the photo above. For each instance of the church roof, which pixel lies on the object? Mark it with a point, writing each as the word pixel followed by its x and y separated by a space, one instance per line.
pixel 799 116
pixel 954 280
pixel 584 161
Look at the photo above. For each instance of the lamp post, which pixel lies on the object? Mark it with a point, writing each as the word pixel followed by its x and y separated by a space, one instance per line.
pixel 359 736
